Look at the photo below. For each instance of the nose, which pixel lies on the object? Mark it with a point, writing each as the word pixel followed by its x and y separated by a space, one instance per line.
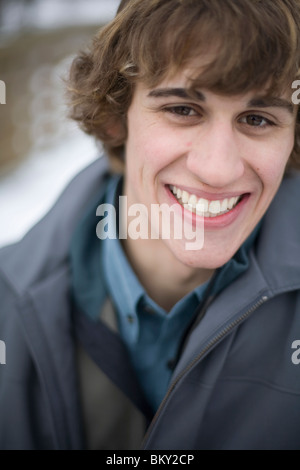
pixel 215 156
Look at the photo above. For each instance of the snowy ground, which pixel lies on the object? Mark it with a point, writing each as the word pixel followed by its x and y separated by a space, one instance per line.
pixel 28 192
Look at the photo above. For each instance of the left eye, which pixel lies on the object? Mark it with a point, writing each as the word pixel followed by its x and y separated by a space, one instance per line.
pixel 182 110
pixel 255 121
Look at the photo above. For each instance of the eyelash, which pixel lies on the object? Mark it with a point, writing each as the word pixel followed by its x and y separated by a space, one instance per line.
pixel 267 121
pixel 175 110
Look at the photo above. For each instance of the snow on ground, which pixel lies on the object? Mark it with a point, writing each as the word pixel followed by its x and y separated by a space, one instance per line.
pixel 27 193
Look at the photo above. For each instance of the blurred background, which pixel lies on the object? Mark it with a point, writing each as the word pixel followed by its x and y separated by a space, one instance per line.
pixel 41 150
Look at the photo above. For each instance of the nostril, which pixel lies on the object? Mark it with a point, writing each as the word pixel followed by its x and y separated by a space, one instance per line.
pixel 215 170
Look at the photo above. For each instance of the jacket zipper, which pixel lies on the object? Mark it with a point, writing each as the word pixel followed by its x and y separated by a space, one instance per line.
pixel 198 358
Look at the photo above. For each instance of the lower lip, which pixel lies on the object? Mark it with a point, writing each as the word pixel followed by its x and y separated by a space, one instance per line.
pixel 217 222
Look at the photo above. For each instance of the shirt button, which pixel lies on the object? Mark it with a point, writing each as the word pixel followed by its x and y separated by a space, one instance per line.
pixel 130 319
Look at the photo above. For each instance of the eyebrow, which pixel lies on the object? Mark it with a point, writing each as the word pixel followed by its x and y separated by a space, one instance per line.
pixel 176 92
pixel 258 102
pixel 271 102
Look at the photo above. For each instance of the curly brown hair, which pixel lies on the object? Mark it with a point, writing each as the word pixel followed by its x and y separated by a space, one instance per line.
pixel 254 42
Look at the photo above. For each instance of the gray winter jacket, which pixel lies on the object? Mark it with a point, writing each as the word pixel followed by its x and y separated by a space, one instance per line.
pixel 236 384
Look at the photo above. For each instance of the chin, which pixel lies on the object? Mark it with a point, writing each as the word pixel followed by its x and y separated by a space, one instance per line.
pixel 203 258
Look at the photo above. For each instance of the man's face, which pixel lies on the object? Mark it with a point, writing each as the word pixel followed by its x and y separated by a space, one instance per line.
pixel 228 152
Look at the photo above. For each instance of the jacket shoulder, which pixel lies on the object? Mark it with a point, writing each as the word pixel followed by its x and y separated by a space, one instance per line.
pixel 278 248
pixel 45 247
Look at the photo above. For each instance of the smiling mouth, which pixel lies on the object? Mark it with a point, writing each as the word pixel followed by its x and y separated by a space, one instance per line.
pixel 204 207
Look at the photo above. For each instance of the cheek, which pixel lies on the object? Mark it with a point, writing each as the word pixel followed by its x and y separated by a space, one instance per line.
pixel 145 159
pixel 272 161
pixel 153 147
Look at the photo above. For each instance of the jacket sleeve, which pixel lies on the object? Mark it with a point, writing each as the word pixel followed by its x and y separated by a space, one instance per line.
pixel 24 421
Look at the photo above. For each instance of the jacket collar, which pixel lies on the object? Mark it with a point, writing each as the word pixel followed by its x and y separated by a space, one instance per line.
pixel 278 247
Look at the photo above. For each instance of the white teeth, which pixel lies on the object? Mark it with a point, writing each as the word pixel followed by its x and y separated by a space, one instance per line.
pixel 224 205
pixel 215 207
pixel 193 200
pixel 231 202
pixel 202 206
pixel 185 197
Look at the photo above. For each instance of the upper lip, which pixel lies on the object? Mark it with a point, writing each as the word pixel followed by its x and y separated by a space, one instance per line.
pixel 208 195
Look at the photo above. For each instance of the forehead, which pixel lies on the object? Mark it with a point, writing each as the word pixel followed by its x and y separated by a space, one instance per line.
pixel 207 71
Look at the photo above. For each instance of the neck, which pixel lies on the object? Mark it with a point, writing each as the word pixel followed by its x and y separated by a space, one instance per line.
pixel 169 282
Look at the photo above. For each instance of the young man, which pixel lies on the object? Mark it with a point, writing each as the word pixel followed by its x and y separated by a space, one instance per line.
pixel 122 336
